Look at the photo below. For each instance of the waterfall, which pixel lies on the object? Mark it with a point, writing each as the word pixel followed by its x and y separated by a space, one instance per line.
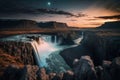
pixel 55 39
pixel 42 50
pixel 47 51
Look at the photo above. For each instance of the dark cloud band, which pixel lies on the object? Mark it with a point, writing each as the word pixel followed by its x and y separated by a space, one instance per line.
pixel 109 17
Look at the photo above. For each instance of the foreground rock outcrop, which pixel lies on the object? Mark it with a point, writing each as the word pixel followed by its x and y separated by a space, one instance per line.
pixel 109 71
pixel 29 72
pixel 6 60
pixel 84 69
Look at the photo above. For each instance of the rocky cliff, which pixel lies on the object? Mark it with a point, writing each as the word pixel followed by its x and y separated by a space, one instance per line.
pixel 29 72
pixel 100 45
pixel 23 51
pixel 84 69
pixel 103 42
pixel 6 24
pixel 97 58
pixel 17 24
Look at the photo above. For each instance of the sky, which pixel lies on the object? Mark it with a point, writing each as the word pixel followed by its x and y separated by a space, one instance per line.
pixel 76 13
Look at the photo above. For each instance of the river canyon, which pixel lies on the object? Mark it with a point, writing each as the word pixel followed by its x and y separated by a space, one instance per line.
pixel 60 54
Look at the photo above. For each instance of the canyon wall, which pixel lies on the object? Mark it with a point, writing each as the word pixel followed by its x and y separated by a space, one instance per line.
pixel 23 51
pixel 102 47
pixel 99 47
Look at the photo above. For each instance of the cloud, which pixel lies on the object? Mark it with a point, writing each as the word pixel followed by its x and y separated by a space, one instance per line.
pixel 40 11
pixel 109 17
pixel 93 23
pixel 113 5
pixel 59 12
pixel 54 11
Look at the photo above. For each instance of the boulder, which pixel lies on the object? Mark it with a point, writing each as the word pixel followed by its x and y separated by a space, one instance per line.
pixel 14 72
pixel 84 70
pixel 42 74
pixel 69 75
pixel 115 69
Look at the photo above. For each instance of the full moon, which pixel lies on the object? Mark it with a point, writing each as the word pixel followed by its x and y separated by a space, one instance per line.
pixel 48 3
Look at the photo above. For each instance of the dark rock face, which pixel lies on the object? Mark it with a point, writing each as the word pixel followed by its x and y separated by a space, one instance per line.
pixel 115 69
pixel 28 73
pixel 42 74
pixel 16 73
pixel 84 69
pixel 95 46
pixel 99 48
pixel 72 53
pixel 19 49
pixel 69 75
pixel 102 47
pixel 109 71
pixel 12 73
pixel 67 38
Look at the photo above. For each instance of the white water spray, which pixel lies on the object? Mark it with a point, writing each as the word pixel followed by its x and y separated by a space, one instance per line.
pixel 42 49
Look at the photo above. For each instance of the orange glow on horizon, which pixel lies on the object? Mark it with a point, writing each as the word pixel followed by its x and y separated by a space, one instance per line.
pixel 89 20
pixel 93 12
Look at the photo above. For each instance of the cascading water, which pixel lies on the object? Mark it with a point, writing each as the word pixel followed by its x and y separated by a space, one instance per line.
pixel 42 49
pixel 47 53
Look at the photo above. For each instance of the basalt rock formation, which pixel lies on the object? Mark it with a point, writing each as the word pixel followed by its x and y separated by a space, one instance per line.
pixel 29 72
pixel 98 45
pixel 102 47
pixel 101 63
pixel 23 51
pixel 7 24
pixel 25 25
pixel 84 69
